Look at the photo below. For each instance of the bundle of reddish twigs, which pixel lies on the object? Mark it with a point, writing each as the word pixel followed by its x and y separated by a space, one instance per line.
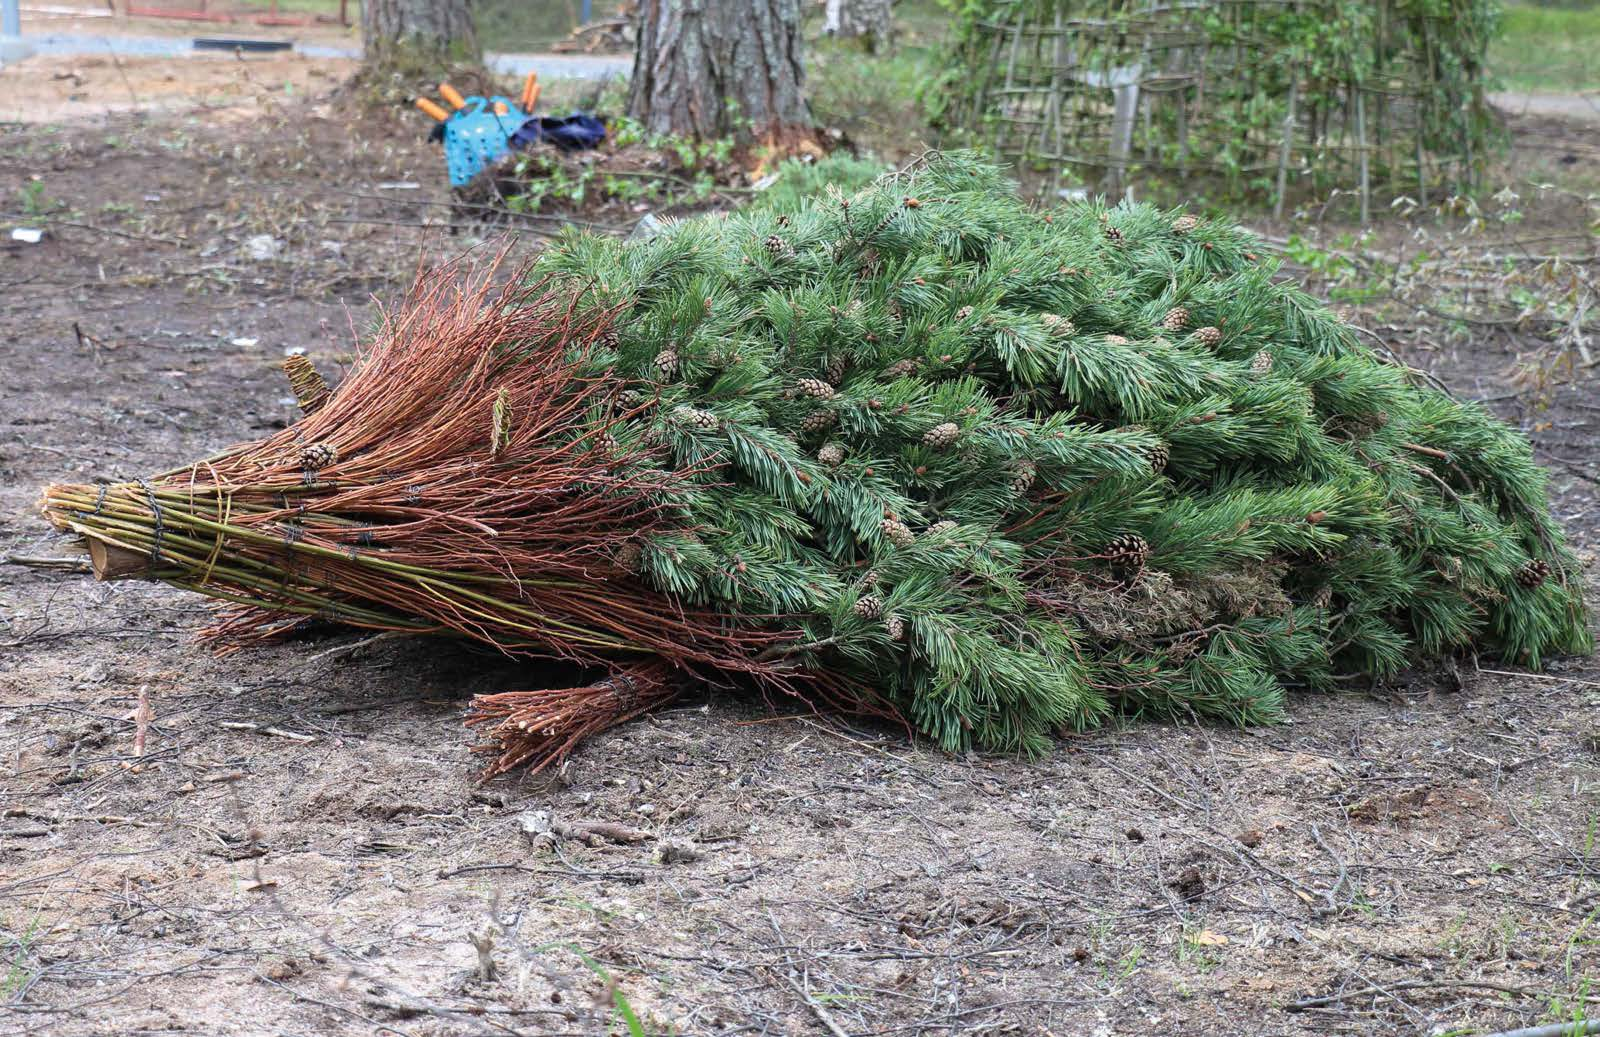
pixel 442 490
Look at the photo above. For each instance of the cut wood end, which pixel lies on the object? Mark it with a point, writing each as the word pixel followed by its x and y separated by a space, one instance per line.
pixel 116 563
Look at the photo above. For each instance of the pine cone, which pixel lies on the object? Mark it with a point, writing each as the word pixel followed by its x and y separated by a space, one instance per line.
pixel 1058 325
pixel 777 248
pixel 317 456
pixel 897 533
pixel 836 369
pixel 1129 549
pixel 607 442
pixel 1117 340
pixel 816 388
pixel 628 556
pixel 610 338
pixel 1533 572
pixel 667 363
pixel 900 369
pixel 942 526
pixel 1261 363
pixel 895 627
pixel 1185 224
pixel 1176 319
pixel 964 313
pixel 831 454
pixel 1022 476
pixel 1115 236
pixel 868 606
pixel 701 419
pixel 942 435
pixel 817 421
pixel 1209 335
pixel 1158 457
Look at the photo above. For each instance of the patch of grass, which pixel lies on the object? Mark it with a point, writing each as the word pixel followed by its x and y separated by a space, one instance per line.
pixel 873 97
pixel 1549 48
pixel 512 25
pixel 21 968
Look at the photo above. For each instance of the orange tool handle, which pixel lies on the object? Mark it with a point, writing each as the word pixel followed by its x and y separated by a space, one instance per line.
pixel 432 109
pixel 501 109
pixel 449 93
pixel 530 92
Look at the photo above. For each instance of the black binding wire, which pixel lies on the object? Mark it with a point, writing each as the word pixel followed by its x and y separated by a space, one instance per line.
pixel 159 528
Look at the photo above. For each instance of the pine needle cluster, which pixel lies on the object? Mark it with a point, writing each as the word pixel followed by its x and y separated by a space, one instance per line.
pixel 1013 469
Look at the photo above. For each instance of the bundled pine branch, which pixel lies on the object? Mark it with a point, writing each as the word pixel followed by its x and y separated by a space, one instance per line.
pixel 922 450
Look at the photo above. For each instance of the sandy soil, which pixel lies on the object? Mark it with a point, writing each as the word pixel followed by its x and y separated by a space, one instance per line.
pixel 49 88
pixel 302 847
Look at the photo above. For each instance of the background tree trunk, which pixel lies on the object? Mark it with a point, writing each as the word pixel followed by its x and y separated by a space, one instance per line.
pixel 434 31
pixel 871 20
pixel 717 68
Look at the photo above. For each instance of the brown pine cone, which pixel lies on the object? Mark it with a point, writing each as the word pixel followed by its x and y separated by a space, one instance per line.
pixel 868 606
pixel 1129 549
pixel 942 526
pixel 1261 363
pixel 1533 572
pixel 831 454
pixel 777 248
pixel 942 435
pixel 1185 224
pixel 817 421
pixel 964 313
pixel 900 369
pixel 1115 236
pixel 317 456
pixel 895 627
pixel 1117 340
pixel 816 388
pixel 1209 335
pixel 1176 319
pixel 1158 457
pixel 1022 476
pixel 666 363
pixel 897 533
pixel 836 369
pixel 1058 325
pixel 701 419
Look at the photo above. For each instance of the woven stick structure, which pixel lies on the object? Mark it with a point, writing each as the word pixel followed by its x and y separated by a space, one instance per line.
pixel 1271 97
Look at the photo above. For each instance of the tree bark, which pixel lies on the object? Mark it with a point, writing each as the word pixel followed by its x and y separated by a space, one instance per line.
pixel 721 68
pixel 435 31
pixel 871 20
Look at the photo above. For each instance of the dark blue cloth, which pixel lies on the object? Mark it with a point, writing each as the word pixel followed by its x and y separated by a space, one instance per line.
pixel 575 132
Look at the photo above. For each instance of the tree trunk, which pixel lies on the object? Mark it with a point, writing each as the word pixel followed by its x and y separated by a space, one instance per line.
pixel 433 31
pixel 721 68
pixel 870 20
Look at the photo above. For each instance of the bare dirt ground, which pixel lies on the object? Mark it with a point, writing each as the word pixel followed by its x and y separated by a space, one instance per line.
pixel 302 847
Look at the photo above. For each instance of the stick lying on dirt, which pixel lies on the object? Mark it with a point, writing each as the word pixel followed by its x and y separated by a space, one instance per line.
pixel 1573 1029
pixel 542 830
pixel 1408 984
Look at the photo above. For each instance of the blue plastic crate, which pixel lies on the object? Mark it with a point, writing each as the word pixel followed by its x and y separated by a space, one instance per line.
pixel 476 137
